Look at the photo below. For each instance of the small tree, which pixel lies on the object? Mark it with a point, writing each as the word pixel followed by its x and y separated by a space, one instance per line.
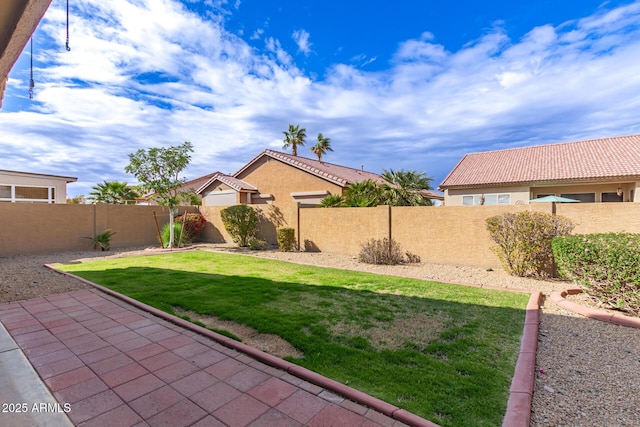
pixel 241 222
pixel 158 170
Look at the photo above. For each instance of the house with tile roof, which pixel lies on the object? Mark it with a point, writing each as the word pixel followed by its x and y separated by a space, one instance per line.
pixel 591 171
pixel 280 178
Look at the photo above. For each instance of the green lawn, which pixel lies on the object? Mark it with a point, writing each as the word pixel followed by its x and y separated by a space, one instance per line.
pixel 444 352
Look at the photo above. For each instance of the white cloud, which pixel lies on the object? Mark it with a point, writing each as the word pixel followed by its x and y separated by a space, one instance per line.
pixel 132 83
pixel 301 37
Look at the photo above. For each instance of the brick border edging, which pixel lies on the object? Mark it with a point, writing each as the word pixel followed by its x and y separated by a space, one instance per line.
pixel 357 396
pixel 521 391
pixel 558 297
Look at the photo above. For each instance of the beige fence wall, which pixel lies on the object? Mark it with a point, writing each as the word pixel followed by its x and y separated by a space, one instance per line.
pixel 440 235
pixel 446 234
pixel 34 227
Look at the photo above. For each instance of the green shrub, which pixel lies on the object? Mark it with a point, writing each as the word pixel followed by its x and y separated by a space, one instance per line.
pixel 193 225
pixel 241 222
pixel 524 241
pixel 605 265
pixel 384 251
pixel 102 240
pixel 286 238
pixel 256 244
pixel 177 242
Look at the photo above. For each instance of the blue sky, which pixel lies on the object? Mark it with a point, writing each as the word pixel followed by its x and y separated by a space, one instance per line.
pixel 395 85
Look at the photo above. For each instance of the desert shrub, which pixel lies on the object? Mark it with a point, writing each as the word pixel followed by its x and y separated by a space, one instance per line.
pixel 604 265
pixel 381 251
pixel 193 225
pixel 524 241
pixel 177 241
pixel 241 222
pixel 411 257
pixel 256 244
pixel 286 238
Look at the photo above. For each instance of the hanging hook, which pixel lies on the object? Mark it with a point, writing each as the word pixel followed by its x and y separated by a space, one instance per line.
pixel 67 44
pixel 31 82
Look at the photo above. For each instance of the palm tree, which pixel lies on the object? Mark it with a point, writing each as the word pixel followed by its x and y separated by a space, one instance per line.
pixel 365 193
pixel 406 188
pixel 332 201
pixel 321 148
pixel 294 137
pixel 113 192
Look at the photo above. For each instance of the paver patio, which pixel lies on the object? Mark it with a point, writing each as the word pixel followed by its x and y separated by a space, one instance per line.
pixel 115 364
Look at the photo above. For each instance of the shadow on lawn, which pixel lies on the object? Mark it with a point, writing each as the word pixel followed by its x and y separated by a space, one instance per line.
pixel 447 361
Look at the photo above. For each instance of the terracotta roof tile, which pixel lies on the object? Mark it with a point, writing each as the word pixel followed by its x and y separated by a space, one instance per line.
pixel 571 161
pixel 196 183
pixel 337 174
pixel 235 183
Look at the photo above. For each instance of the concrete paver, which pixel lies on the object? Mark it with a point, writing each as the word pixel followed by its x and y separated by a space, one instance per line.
pixel 115 364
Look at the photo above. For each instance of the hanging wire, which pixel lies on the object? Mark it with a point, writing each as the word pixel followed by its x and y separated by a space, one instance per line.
pixel 67 45
pixel 31 82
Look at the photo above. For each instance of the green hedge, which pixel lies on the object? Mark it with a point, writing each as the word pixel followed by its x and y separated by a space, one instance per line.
pixel 607 266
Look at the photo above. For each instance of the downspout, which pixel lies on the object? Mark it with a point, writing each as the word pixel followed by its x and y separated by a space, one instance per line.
pixel 298 223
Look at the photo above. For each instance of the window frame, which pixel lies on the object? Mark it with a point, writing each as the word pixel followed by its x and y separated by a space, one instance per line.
pixel 51 194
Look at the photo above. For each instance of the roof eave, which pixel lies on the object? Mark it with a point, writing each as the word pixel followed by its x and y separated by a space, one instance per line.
pixel 541 183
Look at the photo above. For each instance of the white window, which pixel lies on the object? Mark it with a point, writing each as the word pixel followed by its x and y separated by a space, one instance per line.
pixel 470 200
pixel 486 199
pixel 27 193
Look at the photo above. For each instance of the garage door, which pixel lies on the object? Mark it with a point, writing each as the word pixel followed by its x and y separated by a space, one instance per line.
pixel 220 198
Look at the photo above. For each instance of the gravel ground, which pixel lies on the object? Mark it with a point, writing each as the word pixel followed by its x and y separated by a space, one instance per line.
pixel 587 371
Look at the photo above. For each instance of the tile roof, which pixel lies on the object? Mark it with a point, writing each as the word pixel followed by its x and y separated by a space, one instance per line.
pixel 340 175
pixel 235 183
pixel 616 157
pixel 196 183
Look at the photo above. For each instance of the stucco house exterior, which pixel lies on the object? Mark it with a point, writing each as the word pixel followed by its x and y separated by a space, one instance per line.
pixel 27 187
pixel 275 177
pixel 592 171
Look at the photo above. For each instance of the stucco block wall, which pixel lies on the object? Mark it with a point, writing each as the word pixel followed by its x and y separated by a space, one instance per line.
pixel 448 234
pixel 342 230
pixel 602 217
pixel 270 218
pixel 34 227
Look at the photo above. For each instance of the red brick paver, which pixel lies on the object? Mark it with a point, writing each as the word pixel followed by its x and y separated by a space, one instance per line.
pixel 116 364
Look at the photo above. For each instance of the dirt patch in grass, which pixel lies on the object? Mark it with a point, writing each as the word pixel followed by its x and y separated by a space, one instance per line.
pixel 268 343
pixel 416 330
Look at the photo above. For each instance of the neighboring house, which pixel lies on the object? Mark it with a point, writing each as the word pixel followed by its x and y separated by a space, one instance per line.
pixel 33 187
pixel 273 177
pixel 598 170
pixel 18 21
pixel 190 186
